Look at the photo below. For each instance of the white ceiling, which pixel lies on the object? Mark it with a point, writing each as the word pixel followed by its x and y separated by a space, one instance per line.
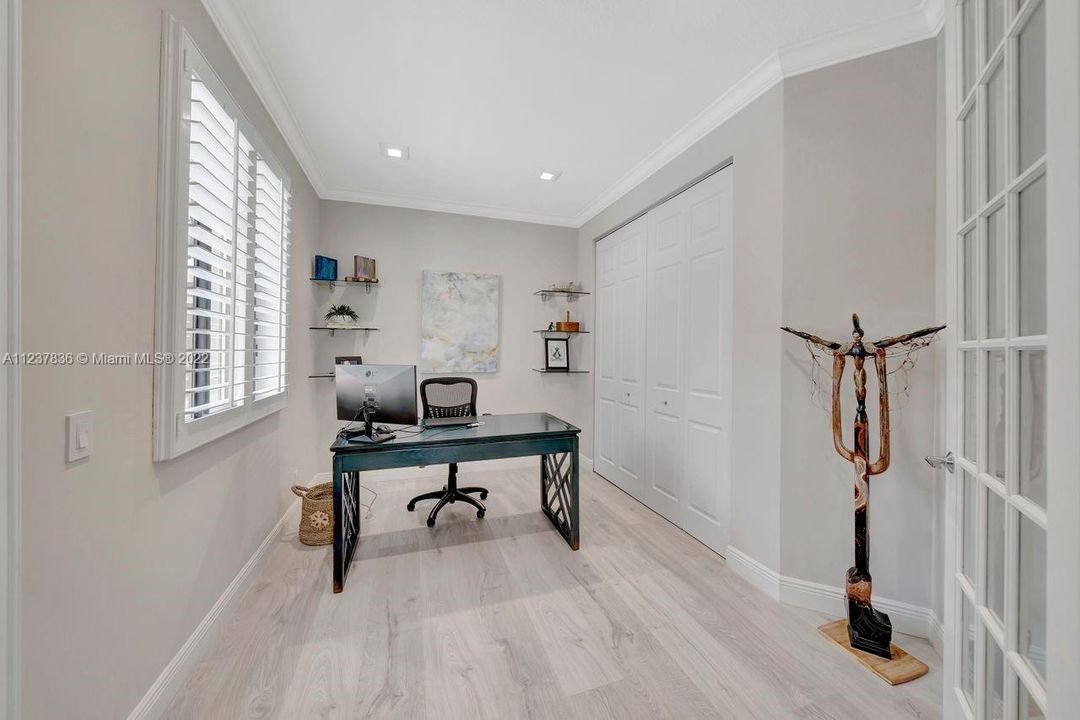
pixel 487 92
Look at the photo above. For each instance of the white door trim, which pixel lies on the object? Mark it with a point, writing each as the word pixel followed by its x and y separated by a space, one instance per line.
pixel 1063 326
pixel 10 402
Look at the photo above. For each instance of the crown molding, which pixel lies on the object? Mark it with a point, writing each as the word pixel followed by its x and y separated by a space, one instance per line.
pixel 910 26
pixel 919 23
pixel 448 206
pixel 240 39
pixel 859 41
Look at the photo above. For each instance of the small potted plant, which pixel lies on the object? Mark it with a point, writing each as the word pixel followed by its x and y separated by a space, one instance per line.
pixel 341 316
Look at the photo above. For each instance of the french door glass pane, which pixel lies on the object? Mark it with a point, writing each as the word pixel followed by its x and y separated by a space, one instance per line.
pixel 995 553
pixel 967 40
pixel 970 271
pixel 995 24
pixel 1026 707
pixel 970 538
pixel 996 144
pixel 997 274
pixel 1032 63
pixel 1032 425
pixel 995 413
pixel 1032 641
pixel 995 679
pixel 970 148
pixel 967 651
pixel 1032 261
pixel 970 407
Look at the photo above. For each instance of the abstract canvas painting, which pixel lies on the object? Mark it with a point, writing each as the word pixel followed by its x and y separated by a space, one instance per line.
pixel 459 322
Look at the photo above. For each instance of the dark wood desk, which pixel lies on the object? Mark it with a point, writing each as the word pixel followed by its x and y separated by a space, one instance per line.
pixel 501 436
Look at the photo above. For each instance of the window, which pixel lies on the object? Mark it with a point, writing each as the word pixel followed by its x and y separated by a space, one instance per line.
pixel 223 261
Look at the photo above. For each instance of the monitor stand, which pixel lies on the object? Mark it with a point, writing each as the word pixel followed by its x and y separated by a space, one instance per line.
pixel 368 434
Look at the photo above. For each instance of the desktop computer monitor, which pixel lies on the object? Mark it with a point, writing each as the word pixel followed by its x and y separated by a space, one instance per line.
pixel 375 393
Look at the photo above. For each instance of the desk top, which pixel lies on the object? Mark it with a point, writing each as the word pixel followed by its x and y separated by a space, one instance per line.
pixel 495 427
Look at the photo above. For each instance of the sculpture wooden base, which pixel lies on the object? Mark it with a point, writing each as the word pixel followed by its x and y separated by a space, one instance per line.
pixel 900 669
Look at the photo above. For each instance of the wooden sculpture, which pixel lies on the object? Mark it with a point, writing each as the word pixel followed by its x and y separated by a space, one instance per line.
pixel 868 629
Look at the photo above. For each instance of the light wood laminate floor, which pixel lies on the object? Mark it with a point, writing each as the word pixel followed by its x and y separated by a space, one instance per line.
pixel 498 618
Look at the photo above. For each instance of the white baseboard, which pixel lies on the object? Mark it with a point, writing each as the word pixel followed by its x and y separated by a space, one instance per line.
pixel 760 576
pixel 906 618
pixel 161 693
pixel 937 633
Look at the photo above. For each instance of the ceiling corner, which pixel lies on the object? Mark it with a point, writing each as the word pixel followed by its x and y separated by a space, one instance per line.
pixel 230 21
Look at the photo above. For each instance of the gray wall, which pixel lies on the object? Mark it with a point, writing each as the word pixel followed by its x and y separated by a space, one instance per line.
pixel 859 236
pixel 528 257
pixel 124 556
pixel 754 138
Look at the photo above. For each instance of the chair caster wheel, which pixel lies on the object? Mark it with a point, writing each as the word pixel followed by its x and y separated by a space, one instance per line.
pixel 431 522
pixel 480 514
pixel 483 495
pixel 410 507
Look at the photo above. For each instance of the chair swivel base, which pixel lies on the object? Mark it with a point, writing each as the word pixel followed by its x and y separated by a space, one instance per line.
pixel 450 495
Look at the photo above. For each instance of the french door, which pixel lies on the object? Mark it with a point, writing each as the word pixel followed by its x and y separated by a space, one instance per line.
pixel 996 654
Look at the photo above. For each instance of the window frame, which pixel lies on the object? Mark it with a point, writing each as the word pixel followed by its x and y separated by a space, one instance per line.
pixel 172 435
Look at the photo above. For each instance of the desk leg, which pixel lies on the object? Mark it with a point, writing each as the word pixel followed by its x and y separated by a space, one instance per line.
pixel 559 496
pixel 346 521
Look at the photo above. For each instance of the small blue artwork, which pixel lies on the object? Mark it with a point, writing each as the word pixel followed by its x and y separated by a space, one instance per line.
pixel 325 268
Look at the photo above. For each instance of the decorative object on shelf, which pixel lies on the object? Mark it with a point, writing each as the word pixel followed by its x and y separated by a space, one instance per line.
pixel 363 270
pixel 551 326
pixel 568 325
pixel 348 360
pixel 869 630
pixel 459 322
pixel 556 354
pixel 316 513
pixel 325 268
pixel 341 316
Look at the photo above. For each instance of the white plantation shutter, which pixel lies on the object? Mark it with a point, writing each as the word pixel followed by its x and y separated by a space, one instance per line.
pixel 271 280
pixel 223 263
pixel 212 322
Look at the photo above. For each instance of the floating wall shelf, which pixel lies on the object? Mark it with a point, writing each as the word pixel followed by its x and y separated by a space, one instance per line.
pixel 559 372
pixel 562 332
pixel 335 329
pixel 571 295
pixel 368 284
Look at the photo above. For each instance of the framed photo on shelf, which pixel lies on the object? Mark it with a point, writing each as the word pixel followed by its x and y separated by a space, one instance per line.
pixel 557 354
pixel 348 360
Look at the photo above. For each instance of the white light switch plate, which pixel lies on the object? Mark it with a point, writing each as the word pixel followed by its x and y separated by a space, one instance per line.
pixel 80 435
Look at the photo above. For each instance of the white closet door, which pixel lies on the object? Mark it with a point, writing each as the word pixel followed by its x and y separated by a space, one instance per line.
pixel 631 320
pixel 707 346
pixel 605 442
pixel 688 377
pixel 664 425
pixel 620 364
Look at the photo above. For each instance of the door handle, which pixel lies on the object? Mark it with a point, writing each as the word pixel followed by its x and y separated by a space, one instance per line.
pixel 948 462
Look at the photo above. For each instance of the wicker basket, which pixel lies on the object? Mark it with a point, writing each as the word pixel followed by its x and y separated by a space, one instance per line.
pixel 316 513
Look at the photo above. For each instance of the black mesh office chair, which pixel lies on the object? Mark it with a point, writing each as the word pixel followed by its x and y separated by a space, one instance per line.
pixel 449 397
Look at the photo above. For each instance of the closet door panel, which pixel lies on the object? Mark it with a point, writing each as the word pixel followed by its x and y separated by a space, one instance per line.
pixel 665 300
pixel 605 414
pixel 631 357
pixel 707 338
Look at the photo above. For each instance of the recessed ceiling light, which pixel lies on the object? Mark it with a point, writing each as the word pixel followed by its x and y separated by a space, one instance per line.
pixel 550 175
pixel 395 152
